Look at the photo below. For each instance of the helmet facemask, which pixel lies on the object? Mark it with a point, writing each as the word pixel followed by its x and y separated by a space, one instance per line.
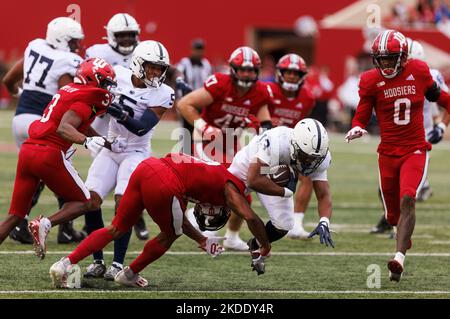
pixel 155 81
pixel 211 218
pixel 244 82
pixel 389 65
pixel 289 86
pixel 304 163
pixel 126 41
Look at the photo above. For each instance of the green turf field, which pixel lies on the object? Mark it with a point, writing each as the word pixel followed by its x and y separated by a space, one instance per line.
pixel 297 269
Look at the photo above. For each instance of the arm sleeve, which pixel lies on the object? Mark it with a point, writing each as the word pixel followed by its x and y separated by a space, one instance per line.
pixel 82 109
pixel 142 126
pixel 365 105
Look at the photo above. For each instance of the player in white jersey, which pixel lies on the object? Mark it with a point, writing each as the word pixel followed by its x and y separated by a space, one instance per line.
pixel 47 65
pixel 433 131
pixel 305 150
pixel 122 33
pixel 141 98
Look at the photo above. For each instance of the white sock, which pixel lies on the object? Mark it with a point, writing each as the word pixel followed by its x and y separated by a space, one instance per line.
pixel 400 258
pixel 46 222
pixel 231 235
pixel 66 262
pixel 298 218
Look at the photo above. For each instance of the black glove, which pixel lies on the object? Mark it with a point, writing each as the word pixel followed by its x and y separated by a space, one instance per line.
pixel 324 233
pixel 292 184
pixel 115 110
pixel 436 135
pixel 182 86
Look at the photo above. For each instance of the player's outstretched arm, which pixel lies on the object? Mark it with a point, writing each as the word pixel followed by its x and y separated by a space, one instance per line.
pixel 191 104
pixel 13 76
pixel 239 205
pixel 322 190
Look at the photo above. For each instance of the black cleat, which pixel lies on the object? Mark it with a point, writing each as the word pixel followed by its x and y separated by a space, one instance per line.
pixel 21 233
pixel 382 227
pixel 67 234
pixel 95 270
pixel 141 230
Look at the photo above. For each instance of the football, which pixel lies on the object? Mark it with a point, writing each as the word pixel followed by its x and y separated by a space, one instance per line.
pixel 280 174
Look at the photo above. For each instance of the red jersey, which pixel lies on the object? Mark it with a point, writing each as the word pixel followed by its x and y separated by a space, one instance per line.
pixel 289 111
pixel 228 109
pixel 88 102
pixel 203 182
pixel 398 104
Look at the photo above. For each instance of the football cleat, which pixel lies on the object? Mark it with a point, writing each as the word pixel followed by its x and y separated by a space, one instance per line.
pixel 395 270
pixel 95 270
pixel 67 234
pixel 127 277
pixel 39 229
pixel 112 272
pixel 298 232
pixel 235 244
pixel 21 234
pixel 141 230
pixel 424 194
pixel 382 226
pixel 59 272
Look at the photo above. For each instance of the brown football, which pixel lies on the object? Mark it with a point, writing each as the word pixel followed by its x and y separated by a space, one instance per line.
pixel 280 174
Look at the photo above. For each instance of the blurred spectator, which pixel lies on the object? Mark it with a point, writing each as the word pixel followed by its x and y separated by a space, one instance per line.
pixel 321 88
pixel 423 14
pixel 267 73
pixel 4 95
pixel 348 91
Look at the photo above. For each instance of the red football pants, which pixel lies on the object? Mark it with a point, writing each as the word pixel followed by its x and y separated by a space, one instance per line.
pixel 400 176
pixel 40 162
pixel 155 187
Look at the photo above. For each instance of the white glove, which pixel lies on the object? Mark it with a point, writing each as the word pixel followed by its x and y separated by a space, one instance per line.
pixel 94 144
pixel 355 132
pixel 119 144
pixel 212 247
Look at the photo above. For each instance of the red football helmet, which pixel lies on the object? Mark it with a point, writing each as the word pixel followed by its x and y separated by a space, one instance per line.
pixel 244 58
pixel 295 63
pixel 390 52
pixel 96 72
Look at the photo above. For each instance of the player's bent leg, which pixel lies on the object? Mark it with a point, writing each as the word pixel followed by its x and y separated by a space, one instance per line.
pixel 7 225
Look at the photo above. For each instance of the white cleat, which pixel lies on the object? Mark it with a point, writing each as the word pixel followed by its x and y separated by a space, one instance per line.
pixel 298 232
pixel 39 229
pixel 59 272
pixel 235 244
pixel 127 277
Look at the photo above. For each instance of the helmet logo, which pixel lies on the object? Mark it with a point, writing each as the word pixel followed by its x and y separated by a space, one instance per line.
pixel 99 63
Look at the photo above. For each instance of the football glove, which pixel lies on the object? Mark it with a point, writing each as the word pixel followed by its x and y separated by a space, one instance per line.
pixel 436 134
pixel 119 144
pixel 181 85
pixel 292 185
pixel 206 131
pixel 94 144
pixel 116 111
pixel 212 247
pixel 323 232
pixel 258 261
pixel 355 132
pixel 252 122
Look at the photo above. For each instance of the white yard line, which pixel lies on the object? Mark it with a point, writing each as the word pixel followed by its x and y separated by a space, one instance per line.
pixel 279 253
pixel 306 292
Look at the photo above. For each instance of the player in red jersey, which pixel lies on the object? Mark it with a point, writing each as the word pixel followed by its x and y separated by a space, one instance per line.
pixel 179 178
pixel 43 156
pixel 396 89
pixel 221 109
pixel 293 101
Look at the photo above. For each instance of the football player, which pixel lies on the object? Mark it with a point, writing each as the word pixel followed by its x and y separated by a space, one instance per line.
pixel 180 178
pixel 47 65
pixel 396 89
pixel 122 33
pixel 293 101
pixel 305 150
pixel 43 156
pixel 221 109
pixel 141 98
pixel 433 131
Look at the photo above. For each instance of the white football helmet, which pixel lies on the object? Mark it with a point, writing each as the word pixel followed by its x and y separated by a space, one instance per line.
pixel 153 52
pixel 122 22
pixel 309 146
pixel 61 30
pixel 415 50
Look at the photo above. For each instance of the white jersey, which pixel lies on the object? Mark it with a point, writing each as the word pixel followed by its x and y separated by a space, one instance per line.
pixel 105 51
pixel 135 101
pixel 273 148
pixel 431 109
pixel 195 74
pixel 43 66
